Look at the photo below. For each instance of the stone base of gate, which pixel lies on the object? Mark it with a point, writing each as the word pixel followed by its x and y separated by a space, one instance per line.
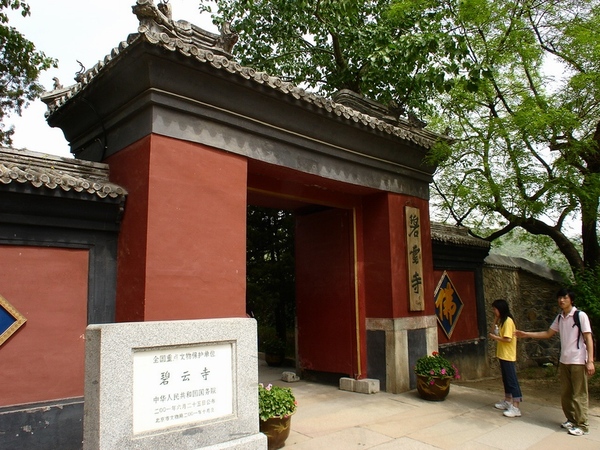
pixel 393 347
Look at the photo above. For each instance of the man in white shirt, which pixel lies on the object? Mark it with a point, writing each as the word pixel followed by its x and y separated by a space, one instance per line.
pixel 576 360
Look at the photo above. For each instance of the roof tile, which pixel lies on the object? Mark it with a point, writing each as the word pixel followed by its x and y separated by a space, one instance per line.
pixel 53 172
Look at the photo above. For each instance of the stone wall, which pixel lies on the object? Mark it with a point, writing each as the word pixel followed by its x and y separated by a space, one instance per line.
pixel 500 282
pixel 530 291
pixel 538 310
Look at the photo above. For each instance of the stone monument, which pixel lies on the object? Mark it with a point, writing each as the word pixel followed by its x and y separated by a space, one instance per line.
pixel 189 384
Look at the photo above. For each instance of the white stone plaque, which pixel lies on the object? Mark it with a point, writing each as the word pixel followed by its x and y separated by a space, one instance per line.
pixel 174 386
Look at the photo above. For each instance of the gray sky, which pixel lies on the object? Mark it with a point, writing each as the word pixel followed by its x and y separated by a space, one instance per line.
pixel 71 30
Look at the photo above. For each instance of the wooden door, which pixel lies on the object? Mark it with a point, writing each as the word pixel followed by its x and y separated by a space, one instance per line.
pixel 325 294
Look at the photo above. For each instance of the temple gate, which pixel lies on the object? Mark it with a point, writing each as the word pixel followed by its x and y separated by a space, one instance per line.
pixel 194 138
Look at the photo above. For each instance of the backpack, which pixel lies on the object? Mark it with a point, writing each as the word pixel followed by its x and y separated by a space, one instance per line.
pixel 577 324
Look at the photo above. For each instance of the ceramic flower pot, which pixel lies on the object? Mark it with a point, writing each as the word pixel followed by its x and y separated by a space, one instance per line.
pixel 274 359
pixel 436 389
pixel 277 430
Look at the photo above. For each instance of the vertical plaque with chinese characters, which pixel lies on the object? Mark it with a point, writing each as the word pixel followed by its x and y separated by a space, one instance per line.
pixel 179 386
pixel 414 258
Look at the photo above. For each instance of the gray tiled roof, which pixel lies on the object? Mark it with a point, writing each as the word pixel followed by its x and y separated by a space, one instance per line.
pixel 513 262
pixel 53 172
pixel 193 43
pixel 452 234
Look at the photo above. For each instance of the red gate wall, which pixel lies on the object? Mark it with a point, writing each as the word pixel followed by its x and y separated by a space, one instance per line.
pixel 182 246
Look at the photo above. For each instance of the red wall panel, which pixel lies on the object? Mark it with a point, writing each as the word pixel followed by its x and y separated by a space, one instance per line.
pixel 44 359
pixel 466 327
pixel 191 228
pixel 385 256
pixel 377 259
pixel 130 168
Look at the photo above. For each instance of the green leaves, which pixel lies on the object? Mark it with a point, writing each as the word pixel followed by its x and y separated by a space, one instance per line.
pixel 20 66
pixel 15 5
pixel 435 365
pixel 525 152
pixel 275 401
pixel 270 267
pixel 384 49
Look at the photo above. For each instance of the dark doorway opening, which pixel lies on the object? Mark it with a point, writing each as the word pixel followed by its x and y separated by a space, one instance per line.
pixel 312 301
pixel 301 287
pixel 270 280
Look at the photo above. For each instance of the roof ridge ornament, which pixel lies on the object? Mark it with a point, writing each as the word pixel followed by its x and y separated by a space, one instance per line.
pixel 157 25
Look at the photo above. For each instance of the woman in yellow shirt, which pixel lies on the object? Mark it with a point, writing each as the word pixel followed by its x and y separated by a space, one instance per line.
pixel 506 352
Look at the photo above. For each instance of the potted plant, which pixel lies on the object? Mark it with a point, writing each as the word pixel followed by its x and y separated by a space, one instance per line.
pixel 274 349
pixel 434 373
pixel 275 408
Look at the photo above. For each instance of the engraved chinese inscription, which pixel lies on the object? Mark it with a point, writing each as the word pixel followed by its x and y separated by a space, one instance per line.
pixel 414 258
pixel 179 386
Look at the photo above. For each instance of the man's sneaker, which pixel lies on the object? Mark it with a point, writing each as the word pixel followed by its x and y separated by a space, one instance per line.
pixel 576 431
pixel 513 411
pixel 568 425
pixel 502 405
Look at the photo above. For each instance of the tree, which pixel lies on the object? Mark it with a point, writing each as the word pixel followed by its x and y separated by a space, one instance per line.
pixel 20 66
pixel 525 151
pixel 402 59
pixel 270 274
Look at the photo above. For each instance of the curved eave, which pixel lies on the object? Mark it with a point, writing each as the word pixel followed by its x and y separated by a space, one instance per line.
pixel 44 171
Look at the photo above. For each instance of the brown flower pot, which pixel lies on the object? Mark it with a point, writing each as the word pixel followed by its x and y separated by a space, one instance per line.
pixel 277 430
pixel 274 359
pixel 436 391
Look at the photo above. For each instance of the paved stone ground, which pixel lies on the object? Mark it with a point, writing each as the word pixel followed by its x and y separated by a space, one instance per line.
pixel 539 386
pixel 331 419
